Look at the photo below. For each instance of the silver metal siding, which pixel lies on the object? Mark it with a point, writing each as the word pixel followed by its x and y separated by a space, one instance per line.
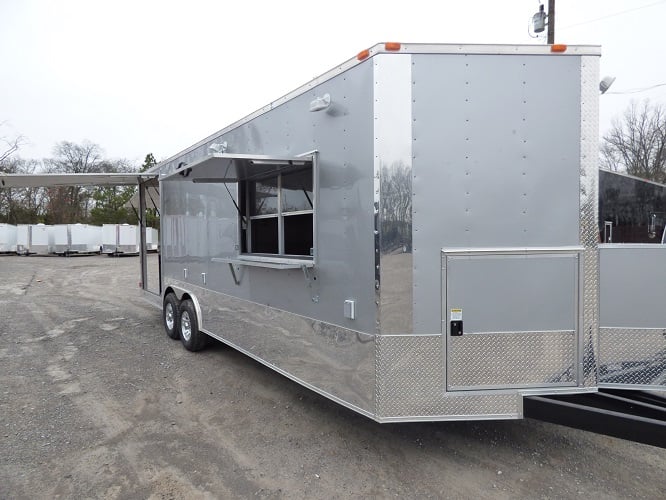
pixel 510 293
pixel 632 286
pixel 496 150
pixel 632 333
pixel 275 314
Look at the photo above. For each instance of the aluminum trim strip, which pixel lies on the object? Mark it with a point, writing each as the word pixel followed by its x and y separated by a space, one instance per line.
pixel 640 387
pixel 627 329
pixel 589 217
pixel 555 391
pixel 521 332
pixel 512 387
pixel 511 250
pixel 450 418
pixel 629 246
pixel 490 49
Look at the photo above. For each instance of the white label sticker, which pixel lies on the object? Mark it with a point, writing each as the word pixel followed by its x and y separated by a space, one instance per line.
pixel 456 314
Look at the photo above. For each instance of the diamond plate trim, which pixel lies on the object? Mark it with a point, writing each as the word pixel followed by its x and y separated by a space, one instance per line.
pixel 511 360
pixel 410 383
pixel 589 199
pixel 632 356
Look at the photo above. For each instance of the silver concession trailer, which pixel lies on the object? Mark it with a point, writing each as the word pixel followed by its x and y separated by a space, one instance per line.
pixel 415 235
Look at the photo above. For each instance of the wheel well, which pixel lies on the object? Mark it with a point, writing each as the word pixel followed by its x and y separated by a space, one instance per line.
pixel 167 292
pixel 197 308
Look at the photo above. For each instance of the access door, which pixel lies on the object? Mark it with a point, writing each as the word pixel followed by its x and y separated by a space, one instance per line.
pixel 510 318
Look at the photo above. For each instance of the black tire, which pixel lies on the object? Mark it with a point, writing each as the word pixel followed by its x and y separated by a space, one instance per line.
pixel 171 316
pixel 190 336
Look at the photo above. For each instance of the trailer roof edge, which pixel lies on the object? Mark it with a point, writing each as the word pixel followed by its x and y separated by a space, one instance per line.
pixel 72 179
pixel 404 48
pixel 629 176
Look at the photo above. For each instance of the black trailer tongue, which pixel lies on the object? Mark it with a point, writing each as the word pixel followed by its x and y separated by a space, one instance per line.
pixel 633 415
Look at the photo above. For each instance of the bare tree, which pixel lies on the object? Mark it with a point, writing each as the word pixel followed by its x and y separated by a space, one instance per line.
pixel 69 157
pixel 73 204
pixel 9 146
pixel 636 143
pixel 396 211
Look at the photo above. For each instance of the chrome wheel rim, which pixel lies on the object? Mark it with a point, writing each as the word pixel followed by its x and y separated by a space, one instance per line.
pixel 168 316
pixel 185 326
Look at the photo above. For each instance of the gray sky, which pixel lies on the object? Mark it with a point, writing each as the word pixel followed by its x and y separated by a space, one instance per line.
pixel 139 76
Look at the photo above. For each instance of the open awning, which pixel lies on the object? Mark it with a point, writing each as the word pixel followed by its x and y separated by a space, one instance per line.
pixel 55 180
pixel 228 168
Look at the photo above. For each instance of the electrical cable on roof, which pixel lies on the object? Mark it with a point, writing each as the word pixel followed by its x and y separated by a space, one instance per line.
pixel 636 91
pixel 612 15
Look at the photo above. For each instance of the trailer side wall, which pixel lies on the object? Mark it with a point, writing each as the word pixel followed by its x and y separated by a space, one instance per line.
pixel 291 321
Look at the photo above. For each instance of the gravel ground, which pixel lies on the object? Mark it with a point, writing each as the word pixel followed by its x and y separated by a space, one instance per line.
pixel 96 402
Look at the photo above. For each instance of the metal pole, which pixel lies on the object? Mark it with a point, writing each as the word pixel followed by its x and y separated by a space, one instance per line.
pixel 551 22
pixel 142 222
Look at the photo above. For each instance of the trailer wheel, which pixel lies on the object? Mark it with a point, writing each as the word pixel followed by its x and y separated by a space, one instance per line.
pixel 171 316
pixel 190 336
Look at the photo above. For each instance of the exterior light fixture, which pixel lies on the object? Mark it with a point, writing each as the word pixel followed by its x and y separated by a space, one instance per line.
pixel 218 147
pixel 320 103
pixel 605 83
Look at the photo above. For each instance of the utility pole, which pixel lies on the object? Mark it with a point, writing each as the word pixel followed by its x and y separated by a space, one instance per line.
pixel 551 22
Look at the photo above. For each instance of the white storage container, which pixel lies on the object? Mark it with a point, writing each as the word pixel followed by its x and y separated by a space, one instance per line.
pixel 7 238
pixel 109 238
pixel 60 239
pixel 22 238
pixel 34 238
pixel 128 239
pixel 152 239
pixel 84 238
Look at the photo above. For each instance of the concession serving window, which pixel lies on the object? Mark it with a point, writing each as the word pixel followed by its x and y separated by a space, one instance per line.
pixel 276 201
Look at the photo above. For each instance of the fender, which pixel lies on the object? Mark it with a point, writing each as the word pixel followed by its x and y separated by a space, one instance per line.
pixel 179 295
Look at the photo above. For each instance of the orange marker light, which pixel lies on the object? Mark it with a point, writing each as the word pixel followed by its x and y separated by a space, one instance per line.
pixel 363 54
pixel 558 47
pixel 392 46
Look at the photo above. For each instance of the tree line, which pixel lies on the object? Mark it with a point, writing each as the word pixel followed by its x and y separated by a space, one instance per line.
pixel 71 204
pixel 636 142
